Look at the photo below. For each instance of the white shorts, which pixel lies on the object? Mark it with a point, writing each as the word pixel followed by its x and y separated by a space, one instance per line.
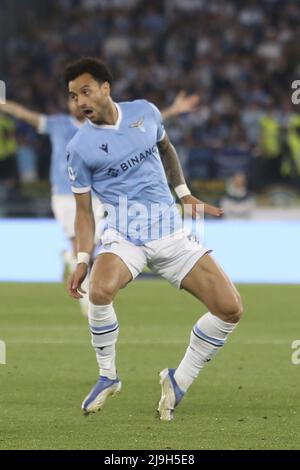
pixel 171 257
pixel 64 209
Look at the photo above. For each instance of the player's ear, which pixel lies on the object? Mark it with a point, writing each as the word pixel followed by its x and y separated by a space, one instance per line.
pixel 106 88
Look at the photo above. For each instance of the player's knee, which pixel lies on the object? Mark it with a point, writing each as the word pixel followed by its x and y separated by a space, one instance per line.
pixel 239 309
pixel 232 310
pixel 101 294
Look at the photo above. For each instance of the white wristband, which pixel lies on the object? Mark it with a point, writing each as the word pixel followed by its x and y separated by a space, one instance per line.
pixel 182 190
pixel 83 257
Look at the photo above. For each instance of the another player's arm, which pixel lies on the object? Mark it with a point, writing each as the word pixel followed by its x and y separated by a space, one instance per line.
pixel 175 176
pixel 182 103
pixel 84 233
pixel 20 112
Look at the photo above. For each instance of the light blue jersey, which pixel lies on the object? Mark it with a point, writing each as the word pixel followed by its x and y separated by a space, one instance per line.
pixel 122 165
pixel 60 128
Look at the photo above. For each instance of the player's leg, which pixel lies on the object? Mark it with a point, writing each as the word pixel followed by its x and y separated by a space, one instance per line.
pixel 109 274
pixel 119 262
pixel 208 283
pixel 63 208
pixel 69 258
pixel 187 265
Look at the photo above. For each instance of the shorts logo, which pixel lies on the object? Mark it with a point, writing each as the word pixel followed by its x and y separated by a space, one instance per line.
pixel 193 238
pixel 139 125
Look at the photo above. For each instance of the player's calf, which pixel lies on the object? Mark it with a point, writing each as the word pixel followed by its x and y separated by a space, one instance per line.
pixel 207 338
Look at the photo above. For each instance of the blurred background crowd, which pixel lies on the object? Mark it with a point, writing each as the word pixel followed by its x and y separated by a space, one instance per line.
pixel 241 57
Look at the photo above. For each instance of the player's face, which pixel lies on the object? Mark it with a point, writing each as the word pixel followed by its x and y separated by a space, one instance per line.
pixel 90 96
pixel 74 110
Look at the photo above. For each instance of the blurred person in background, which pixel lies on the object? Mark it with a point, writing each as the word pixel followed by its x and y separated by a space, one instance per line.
pixel 250 119
pixel 270 146
pixel 234 155
pixel 291 163
pixel 241 55
pixel 60 128
pixel 8 148
pixel 26 155
pixel 237 202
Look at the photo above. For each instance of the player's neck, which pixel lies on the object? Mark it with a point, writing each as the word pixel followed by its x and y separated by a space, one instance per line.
pixel 110 114
pixel 79 121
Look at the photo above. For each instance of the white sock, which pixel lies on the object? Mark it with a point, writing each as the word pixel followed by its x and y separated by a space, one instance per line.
pixel 106 357
pixel 104 329
pixel 207 337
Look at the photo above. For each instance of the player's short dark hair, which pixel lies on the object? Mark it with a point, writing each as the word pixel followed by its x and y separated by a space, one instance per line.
pixel 91 65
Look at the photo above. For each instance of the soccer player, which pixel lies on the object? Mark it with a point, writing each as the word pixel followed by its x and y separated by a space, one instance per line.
pixel 61 128
pixel 123 154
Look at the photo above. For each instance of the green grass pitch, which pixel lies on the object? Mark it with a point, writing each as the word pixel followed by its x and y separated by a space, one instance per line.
pixel 247 398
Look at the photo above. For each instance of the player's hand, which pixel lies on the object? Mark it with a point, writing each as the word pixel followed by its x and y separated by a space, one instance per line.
pixel 75 281
pixel 184 103
pixel 194 203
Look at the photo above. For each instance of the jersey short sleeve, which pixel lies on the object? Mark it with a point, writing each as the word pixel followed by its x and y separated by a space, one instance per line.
pixel 79 173
pixel 159 122
pixel 48 124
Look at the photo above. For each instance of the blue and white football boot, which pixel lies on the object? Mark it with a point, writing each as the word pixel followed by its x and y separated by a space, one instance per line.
pixel 171 395
pixel 104 388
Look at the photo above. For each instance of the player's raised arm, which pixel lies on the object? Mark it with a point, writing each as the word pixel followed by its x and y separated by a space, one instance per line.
pixel 20 112
pixel 182 103
pixel 84 233
pixel 175 176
